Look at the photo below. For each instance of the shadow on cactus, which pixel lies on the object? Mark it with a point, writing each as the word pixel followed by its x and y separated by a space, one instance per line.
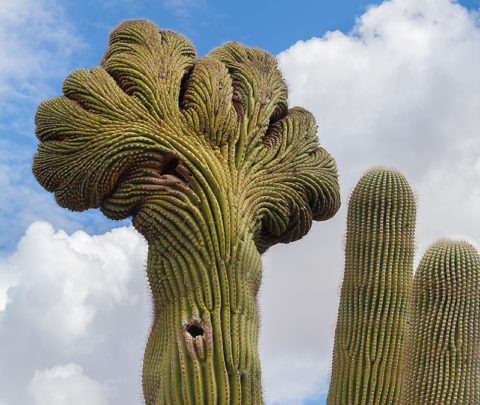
pixel 213 167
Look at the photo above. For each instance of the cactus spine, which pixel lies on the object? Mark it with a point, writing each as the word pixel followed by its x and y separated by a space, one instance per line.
pixel 371 325
pixel 442 360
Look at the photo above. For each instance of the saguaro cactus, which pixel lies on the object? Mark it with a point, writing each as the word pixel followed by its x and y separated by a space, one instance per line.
pixel 371 325
pixel 214 168
pixel 442 361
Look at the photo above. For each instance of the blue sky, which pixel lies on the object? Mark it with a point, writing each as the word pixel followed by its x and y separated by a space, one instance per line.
pixel 390 83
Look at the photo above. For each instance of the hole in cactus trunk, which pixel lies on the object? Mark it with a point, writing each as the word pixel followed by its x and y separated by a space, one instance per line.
pixel 173 167
pixel 194 329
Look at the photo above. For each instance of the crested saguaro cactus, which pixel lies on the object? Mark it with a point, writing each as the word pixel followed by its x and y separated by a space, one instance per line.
pixel 442 360
pixel 371 325
pixel 214 168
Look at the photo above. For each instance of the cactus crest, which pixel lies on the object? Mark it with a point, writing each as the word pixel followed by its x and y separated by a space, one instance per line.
pixel 371 325
pixel 442 360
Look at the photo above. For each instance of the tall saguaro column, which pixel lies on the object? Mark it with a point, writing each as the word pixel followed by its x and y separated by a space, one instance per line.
pixel 214 168
pixel 442 362
pixel 371 325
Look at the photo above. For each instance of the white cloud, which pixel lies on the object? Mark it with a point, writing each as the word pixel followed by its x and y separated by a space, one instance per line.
pixel 403 90
pixel 66 280
pixel 303 377
pixel 405 80
pixel 75 299
pixel 298 308
pixel 8 280
pixel 66 384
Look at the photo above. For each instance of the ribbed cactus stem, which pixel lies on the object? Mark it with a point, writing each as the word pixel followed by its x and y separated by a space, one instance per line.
pixel 442 360
pixel 371 325
pixel 214 168
pixel 203 345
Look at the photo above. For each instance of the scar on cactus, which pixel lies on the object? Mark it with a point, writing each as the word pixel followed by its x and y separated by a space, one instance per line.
pixel 371 326
pixel 214 168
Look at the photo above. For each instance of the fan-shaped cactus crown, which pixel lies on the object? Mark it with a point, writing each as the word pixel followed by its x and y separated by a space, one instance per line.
pixel 154 125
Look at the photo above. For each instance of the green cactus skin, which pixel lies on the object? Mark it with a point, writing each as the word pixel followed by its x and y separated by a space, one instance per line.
pixel 442 358
pixel 371 325
pixel 213 168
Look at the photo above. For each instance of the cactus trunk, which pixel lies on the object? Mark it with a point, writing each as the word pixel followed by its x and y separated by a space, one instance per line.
pixel 442 364
pixel 203 345
pixel 371 323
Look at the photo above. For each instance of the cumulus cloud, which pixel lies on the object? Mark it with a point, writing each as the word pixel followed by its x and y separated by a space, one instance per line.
pixel 403 90
pixel 8 279
pixel 66 384
pixel 75 276
pixel 405 81
pixel 303 377
pixel 77 299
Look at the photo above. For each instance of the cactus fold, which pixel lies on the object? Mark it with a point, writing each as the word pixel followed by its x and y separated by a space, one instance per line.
pixel 442 359
pixel 371 325
pixel 214 168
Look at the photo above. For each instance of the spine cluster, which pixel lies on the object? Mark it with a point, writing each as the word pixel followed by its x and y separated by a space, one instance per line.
pixel 371 325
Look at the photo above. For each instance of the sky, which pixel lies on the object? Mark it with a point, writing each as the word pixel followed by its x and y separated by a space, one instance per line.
pixel 393 83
